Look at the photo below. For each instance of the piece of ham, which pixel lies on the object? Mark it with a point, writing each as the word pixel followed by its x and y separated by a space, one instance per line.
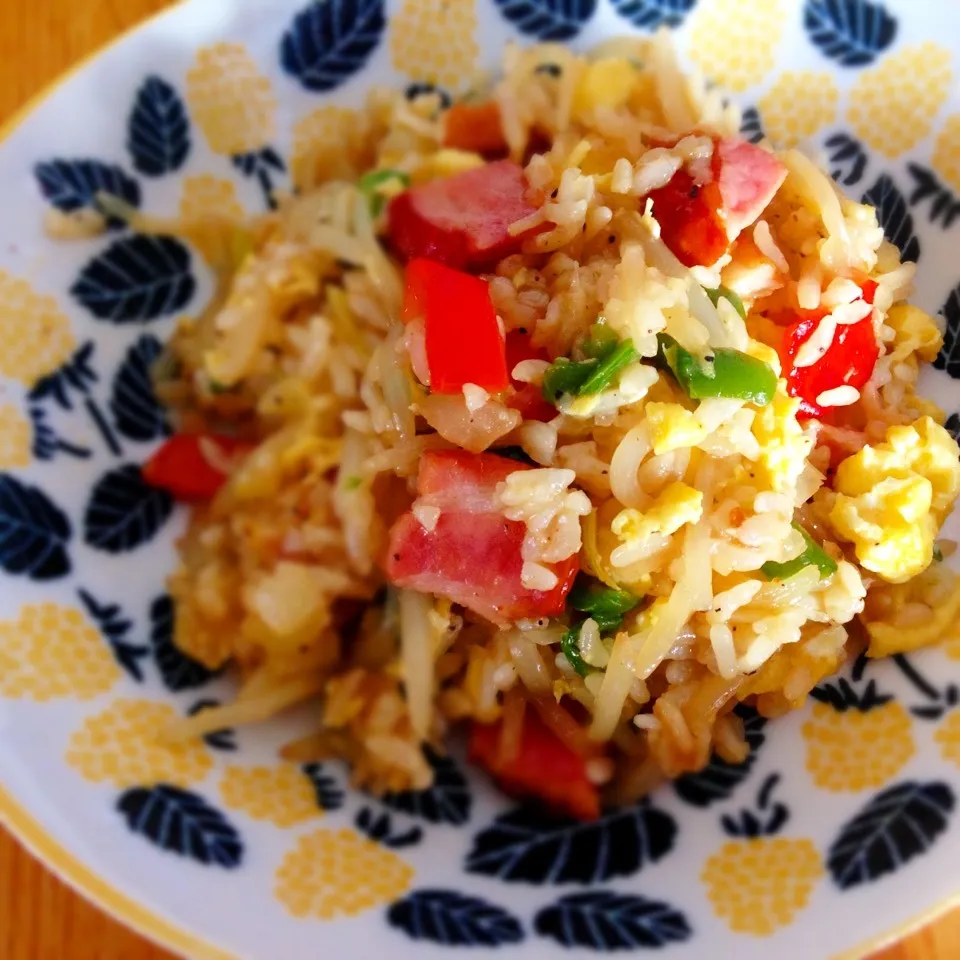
pixel 462 221
pixel 472 553
pixel 699 221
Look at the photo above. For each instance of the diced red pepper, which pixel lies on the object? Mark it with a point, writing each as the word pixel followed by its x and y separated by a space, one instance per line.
pixel 462 221
pixel 528 398
pixel 182 468
pixel 849 360
pixel 689 218
pixel 472 555
pixel 698 222
pixel 544 767
pixel 463 339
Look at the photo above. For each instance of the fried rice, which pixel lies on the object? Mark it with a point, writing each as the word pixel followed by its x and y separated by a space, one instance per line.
pixel 729 547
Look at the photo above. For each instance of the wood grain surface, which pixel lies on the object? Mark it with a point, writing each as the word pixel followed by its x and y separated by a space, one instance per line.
pixel 40 918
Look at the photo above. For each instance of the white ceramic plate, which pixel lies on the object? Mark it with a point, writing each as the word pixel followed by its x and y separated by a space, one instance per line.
pixel 842 828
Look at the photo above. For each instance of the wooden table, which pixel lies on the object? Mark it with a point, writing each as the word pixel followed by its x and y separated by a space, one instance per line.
pixel 40 918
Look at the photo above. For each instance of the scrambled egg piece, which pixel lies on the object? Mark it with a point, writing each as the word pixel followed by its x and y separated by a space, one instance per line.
pixel 914 331
pixel 936 588
pixel 443 163
pixel 784 446
pixel 673 427
pixel 892 497
pixel 605 83
pixel 677 504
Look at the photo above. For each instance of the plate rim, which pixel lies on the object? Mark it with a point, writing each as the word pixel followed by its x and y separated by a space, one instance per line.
pixel 83 879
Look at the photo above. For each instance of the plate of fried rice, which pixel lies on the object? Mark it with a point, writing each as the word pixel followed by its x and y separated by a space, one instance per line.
pixel 477 475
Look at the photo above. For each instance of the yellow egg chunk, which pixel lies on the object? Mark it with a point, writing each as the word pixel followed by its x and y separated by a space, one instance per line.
pixel 444 163
pixel 606 83
pixel 892 496
pixel 914 330
pixel 672 427
pixel 677 504
pixel 783 444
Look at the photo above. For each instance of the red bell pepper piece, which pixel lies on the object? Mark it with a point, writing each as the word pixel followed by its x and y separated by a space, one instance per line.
pixel 181 467
pixel 528 397
pixel 849 360
pixel 472 555
pixel 463 339
pixel 462 221
pixel 544 767
pixel 698 222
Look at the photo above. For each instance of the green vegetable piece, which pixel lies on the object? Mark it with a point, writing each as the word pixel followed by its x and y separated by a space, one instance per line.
pixel 352 482
pixel 937 553
pixel 570 645
pixel 601 342
pixel 565 376
pixel 724 373
pixel 727 294
pixel 600 602
pixel 608 369
pixel 811 555
pixel 371 184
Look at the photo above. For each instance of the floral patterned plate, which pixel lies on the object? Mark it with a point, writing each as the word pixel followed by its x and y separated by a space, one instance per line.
pixel 841 829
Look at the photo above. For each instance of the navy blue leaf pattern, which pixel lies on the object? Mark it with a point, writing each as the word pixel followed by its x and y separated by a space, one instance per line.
pixel 379 828
pixel 137 412
pixel 847 159
pixel 46 444
pixel 34 532
pixel 225 739
pixel 718 779
pixel 949 356
pixel 329 795
pixel 454 919
pixel 526 845
pixel 75 376
pixel 944 205
pixel 115 627
pixel 179 671
pixel 894 217
pixel 606 920
pixel 651 14
pixel 898 824
pixel 158 130
pixel 751 126
pixel 548 19
pixel 137 278
pixel 328 42
pixel 446 801
pixel 952 426
pixel 852 32
pixel 72 184
pixel 124 511
pixel 182 822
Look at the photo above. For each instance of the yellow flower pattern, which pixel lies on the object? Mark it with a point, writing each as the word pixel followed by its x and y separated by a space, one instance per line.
pixel 948 737
pixel 324 144
pixel 35 335
pixel 52 652
pixel 207 203
pixel 339 873
pixel 231 100
pixel 15 437
pixel 435 41
pixel 946 151
pixel 893 105
pixel 759 885
pixel 798 105
pixel 735 43
pixel 121 746
pixel 857 749
pixel 281 795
